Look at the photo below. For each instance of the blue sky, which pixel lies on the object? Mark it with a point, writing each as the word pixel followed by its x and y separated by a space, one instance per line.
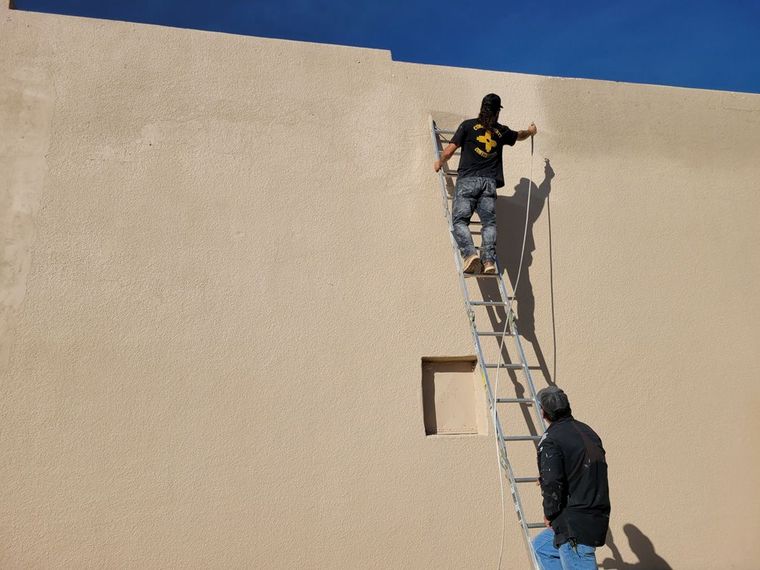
pixel 707 44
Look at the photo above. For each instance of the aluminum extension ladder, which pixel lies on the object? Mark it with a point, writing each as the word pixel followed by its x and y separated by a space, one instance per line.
pixel 503 301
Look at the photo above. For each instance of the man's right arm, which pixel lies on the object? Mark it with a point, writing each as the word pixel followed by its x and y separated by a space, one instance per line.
pixel 552 478
pixel 456 141
pixel 447 153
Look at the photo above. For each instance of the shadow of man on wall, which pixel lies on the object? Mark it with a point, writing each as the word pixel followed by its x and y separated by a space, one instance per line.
pixel 642 548
pixel 511 229
pixel 510 213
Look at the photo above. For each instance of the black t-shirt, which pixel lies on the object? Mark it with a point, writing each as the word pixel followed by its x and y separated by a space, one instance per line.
pixel 481 149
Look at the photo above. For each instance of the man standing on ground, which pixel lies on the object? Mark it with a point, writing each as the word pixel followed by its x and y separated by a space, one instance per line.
pixel 573 477
pixel 480 173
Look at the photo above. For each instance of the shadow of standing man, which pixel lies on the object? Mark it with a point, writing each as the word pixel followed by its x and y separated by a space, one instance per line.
pixel 641 546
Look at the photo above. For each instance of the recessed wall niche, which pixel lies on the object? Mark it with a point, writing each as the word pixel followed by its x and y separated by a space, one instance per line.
pixel 453 400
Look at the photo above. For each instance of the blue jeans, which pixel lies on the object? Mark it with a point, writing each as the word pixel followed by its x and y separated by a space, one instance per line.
pixel 475 193
pixel 566 557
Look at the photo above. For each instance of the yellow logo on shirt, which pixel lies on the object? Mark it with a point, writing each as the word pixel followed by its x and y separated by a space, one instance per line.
pixel 487 140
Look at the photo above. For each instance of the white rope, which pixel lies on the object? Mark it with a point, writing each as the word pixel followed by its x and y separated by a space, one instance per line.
pixel 499 362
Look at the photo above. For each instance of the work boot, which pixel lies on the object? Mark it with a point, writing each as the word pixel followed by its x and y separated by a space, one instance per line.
pixel 489 268
pixel 471 263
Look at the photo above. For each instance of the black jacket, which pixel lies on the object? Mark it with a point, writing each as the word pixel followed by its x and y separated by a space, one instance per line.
pixel 573 474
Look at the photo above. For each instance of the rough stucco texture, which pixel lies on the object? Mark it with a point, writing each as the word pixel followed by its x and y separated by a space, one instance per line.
pixel 224 259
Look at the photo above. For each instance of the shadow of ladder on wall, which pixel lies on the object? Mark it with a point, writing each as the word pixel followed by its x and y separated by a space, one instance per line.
pixel 502 300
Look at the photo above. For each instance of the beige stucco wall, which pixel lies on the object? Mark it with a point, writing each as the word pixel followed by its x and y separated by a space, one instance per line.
pixel 224 258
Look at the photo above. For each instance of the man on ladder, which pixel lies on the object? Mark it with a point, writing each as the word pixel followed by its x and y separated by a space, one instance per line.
pixel 479 174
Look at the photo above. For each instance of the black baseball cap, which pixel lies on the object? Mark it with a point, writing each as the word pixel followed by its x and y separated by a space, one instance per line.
pixel 553 400
pixel 492 101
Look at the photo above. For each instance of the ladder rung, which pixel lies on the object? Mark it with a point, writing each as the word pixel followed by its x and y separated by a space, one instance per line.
pixel 490 303
pixel 450 173
pixel 526 479
pixel 509 366
pixel 514 401
pixel 493 333
pixel 478 275
pixel 522 437
pixel 536 525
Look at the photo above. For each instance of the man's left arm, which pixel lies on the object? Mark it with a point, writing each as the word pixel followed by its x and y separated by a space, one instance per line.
pixel 529 132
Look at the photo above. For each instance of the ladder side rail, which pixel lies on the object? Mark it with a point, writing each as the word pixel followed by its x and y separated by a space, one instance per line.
pixel 521 353
pixel 506 466
pixel 460 273
pixel 458 261
pixel 484 371
pixel 521 515
pixel 529 378
pixel 447 213
pixel 526 369
pixel 531 386
pixel 505 463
